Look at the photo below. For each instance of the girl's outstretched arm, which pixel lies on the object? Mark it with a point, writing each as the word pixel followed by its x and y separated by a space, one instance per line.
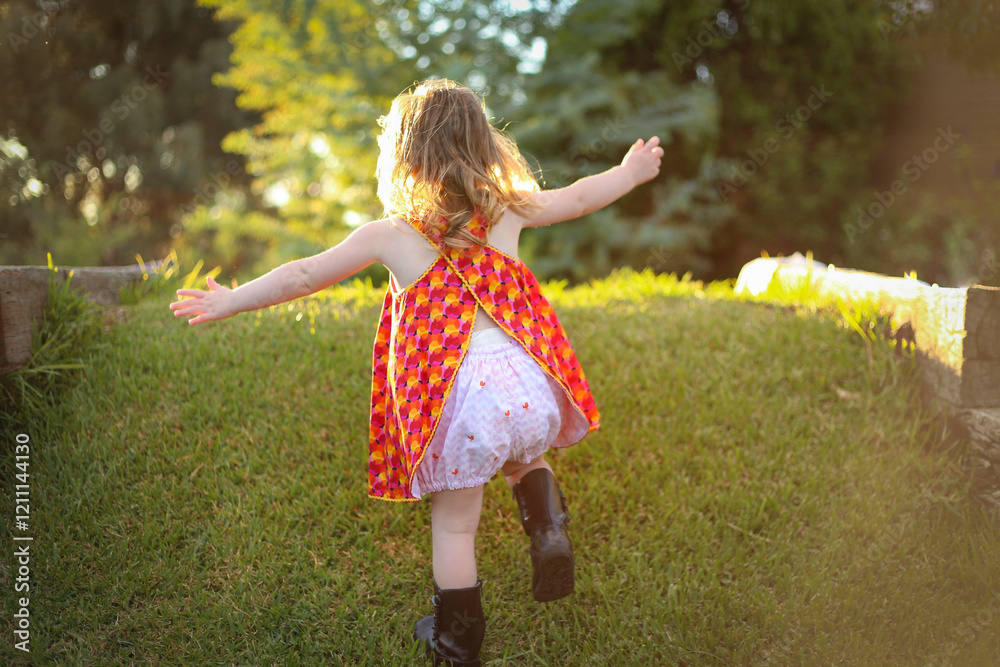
pixel 289 281
pixel 641 164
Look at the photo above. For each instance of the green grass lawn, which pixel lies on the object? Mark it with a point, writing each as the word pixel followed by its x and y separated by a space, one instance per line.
pixel 760 493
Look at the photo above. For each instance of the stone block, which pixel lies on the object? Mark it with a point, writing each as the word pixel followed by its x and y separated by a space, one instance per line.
pixel 24 291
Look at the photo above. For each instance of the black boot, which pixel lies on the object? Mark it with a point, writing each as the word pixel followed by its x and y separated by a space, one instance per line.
pixel 454 633
pixel 545 519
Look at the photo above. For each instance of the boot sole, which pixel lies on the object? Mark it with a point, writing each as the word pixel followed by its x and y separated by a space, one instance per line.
pixel 555 578
pixel 447 662
pixel 439 659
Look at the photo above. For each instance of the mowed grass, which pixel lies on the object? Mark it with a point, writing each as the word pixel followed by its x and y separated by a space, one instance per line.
pixel 760 493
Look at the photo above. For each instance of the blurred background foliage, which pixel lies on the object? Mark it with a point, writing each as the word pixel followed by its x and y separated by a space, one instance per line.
pixel 109 126
pixel 243 131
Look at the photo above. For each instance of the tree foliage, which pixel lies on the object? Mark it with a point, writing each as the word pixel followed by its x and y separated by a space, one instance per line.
pixel 720 84
pixel 111 125
pixel 768 109
pixel 599 90
pixel 320 73
pixel 771 113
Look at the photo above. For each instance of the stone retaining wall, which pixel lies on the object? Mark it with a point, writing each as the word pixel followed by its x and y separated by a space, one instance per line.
pixel 956 332
pixel 24 290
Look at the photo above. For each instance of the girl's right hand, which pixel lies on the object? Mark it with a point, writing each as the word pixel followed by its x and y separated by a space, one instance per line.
pixel 643 160
pixel 214 304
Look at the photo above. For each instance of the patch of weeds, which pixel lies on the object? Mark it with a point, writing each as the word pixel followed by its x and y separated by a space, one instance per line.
pixel 164 278
pixel 69 331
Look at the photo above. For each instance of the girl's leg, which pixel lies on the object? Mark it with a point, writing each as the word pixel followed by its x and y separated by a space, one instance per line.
pixel 455 632
pixel 545 519
pixel 454 520
pixel 513 471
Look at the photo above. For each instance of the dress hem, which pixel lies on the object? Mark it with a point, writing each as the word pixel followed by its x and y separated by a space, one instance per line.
pixel 439 487
pixel 415 499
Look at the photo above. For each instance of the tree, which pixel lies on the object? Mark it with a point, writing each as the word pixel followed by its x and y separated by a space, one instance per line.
pixel 769 112
pixel 599 89
pixel 320 73
pixel 967 30
pixel 112 126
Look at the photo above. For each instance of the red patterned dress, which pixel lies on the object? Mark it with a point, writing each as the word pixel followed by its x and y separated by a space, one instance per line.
pixel 422 338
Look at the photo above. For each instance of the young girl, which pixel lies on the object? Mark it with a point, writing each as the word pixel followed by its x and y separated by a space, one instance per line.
pixel 472 372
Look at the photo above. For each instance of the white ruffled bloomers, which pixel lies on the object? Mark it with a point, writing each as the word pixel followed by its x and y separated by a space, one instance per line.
pixel 502 407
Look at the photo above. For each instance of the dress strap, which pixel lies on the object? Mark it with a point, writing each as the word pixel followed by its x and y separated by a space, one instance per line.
pixel 418 225
pixel 475 227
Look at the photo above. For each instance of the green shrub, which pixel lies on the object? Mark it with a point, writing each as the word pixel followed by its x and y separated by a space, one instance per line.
pixel 70 330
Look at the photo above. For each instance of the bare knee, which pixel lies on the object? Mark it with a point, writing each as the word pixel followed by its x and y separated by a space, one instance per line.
pixel 518 470
pixel 456 512
pixel 513 467
pixel 466 528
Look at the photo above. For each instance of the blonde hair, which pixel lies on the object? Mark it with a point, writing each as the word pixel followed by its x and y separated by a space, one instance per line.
pixel 442 162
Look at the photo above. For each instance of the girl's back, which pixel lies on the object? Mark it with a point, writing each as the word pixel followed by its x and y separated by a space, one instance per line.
pixel 407 254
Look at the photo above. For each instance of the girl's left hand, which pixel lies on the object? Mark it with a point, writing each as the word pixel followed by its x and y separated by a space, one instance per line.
pixel 643 159
pixel 213 305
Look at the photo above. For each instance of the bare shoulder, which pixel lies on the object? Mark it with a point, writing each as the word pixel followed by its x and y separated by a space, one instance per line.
pixel 395 225
pixel 396 229
pixel 374 233
pixel 515 218
pixel 505 233
pixel 402 245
